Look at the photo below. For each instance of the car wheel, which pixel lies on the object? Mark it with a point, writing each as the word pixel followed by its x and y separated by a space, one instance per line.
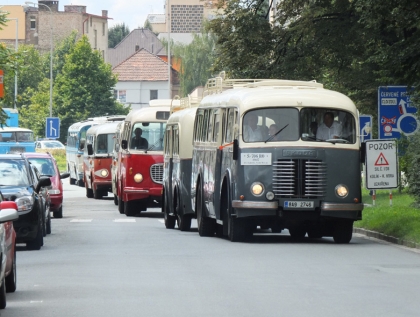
pixel 12 277
pixel 3 295
pixel 58 213
pixel 97 194
pixel 38 242
pixel 115 200
pixel 49 223
pixel 120 206
pixel 72 181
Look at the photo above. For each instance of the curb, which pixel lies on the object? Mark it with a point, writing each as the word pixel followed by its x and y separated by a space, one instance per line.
pixel 386 238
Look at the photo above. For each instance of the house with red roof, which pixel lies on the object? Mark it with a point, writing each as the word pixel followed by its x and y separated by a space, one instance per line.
pixel 143 77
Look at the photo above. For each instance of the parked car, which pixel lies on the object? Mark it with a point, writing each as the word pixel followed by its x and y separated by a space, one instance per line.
pixel 19 182
pixel 47 165
pixel 8 213
pixel 49 144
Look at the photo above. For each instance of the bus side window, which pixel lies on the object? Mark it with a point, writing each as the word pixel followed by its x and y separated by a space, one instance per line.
pixel 230 125
pixel 176 141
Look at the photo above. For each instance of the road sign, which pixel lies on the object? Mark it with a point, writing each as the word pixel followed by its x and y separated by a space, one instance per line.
pixel 381 164
pixel 52 128
pixel 396 113
pixel 365 124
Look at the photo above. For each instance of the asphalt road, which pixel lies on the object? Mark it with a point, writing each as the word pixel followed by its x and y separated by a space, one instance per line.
pixel 97 262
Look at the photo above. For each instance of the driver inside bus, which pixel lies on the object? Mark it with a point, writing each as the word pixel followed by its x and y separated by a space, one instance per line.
pixel 330 129
pixel 252 132
pixel 138 142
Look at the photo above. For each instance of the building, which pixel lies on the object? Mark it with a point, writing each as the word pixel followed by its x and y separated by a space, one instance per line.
pixel 144 77
pixel 44 22
pixel 16 22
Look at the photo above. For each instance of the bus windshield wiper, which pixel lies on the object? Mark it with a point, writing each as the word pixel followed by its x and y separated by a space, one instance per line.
pixel 154 145
pixel 271 137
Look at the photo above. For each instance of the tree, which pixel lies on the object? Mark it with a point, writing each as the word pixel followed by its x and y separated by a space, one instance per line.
pixel 196 61
pixel 116 34
pixel 61 50
pixel 84 87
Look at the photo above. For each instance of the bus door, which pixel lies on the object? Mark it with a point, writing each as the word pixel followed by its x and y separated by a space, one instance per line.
pixel 168 165
pixel 214 156
pixel 231 133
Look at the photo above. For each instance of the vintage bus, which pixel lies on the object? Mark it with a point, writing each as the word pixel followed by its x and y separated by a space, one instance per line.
pixel 97 159
pixel 140 169
pixel 16 140
pixel 304 176
pixel 177 153
pixel 76 139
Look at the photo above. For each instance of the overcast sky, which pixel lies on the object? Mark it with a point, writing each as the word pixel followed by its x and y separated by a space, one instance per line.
pixel 132 12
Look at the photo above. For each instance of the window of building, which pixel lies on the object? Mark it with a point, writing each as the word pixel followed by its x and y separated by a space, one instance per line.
pixel 153 94
pixel 33 23
pixel 103 29
pixel 95 32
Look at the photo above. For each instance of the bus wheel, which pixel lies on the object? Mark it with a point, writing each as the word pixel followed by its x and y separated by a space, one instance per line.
pixel 115 200
pixel 315 233
pixel 120 206
pixel 343 231
pixel 129 208
pixel 297 232
pixel 184 221
pixel 89 192
pixel 169 220
pixel 238 230
pixel 206 226
pixel 72 181
pixel 97 194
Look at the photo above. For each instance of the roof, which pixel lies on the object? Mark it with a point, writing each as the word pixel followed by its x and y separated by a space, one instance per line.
pixel 137 39
pixel 142 66
pixel 105 128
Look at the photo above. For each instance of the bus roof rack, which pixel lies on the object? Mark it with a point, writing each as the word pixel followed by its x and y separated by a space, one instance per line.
pixel 186 102
pixel 219 84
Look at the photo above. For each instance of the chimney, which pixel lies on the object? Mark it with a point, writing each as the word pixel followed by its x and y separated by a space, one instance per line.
pixel 137 47
pixel 105 13
pixel 53 5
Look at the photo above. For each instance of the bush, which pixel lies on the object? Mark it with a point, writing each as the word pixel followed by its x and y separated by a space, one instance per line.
pixel 60 157
pixel 413 167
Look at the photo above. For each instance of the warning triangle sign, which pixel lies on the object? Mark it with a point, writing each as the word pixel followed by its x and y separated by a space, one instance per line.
pixel 381 161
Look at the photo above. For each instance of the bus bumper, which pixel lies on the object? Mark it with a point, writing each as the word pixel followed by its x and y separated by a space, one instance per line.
pixel 140 193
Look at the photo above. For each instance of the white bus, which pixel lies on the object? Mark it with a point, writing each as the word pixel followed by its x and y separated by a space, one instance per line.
pixel 304 176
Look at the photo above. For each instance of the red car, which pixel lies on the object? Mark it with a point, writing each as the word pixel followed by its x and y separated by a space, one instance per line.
pixel 8 213
pixel 47 165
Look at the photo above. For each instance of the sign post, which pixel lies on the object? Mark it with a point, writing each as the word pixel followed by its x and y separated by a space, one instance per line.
pixel 52 128
pixel 1 84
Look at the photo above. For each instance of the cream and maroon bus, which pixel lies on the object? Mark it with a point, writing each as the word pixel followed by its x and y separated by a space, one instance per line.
pixel 276 154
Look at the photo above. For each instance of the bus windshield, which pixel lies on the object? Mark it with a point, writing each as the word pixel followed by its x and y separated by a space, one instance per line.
pixel 104 143
pixel 18 136
pixel 147 136
pixel 288 124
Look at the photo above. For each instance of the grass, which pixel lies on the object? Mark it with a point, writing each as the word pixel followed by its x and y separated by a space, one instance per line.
pixel 60 157
pixel 401 220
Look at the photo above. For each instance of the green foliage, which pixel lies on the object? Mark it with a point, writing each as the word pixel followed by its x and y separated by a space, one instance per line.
pixel 117 33
pixel 84 87
pixel 61 50
pixel 413 166
pixel 196 61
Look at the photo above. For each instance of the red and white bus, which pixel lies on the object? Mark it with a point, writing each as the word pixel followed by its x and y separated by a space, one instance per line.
pixel 97 159
pixel 140 168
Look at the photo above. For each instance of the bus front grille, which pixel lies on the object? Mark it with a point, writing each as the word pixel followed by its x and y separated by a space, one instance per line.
pixel 299 178
pixel 156 173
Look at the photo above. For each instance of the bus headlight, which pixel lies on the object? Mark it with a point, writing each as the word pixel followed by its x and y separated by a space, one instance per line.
pixel 138 178
pixel 257 189
pixel 102 173
pixel 341 191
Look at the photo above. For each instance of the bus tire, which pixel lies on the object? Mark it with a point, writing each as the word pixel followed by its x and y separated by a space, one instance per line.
pixel 89 192
pixel 72 181
pixel 120 206
pixel 343 231
pixel 237 229
pixel 206 226
pixel 97 194
pixel 184 221
pixel 129 208
pixel 115 200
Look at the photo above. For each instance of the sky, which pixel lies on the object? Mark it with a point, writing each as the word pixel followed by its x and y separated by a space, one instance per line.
pixel 131 12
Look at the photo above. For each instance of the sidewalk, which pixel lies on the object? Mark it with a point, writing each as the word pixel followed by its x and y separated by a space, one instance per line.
pixel 386 238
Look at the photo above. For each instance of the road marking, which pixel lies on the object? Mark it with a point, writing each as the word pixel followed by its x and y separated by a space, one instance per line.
pixel 125 220
pixel 161 221
pixel 81 220
pixel 36 301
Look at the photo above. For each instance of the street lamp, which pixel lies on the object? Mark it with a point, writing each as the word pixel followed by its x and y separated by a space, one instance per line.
pixel 51 52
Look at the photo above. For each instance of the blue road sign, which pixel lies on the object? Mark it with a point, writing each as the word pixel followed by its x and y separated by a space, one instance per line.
pixel 396 113
pixel 365 124
pixel 52 128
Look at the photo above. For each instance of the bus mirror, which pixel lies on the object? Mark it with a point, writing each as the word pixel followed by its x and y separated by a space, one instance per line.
pixel 90 149
pixel 235 149
pixel 362 152
pixel 124 144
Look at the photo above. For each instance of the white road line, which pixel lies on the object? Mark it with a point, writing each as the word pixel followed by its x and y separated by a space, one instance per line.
pixel 36 301
pixel 81 220
pixel 125 220
pixel 161 221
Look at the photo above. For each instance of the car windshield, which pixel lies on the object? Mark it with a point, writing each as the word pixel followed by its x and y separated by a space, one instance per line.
pixel 13 173
pixel 44 165
pixel 52 144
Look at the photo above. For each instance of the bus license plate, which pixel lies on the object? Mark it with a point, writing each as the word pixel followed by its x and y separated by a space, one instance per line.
pixel 298 204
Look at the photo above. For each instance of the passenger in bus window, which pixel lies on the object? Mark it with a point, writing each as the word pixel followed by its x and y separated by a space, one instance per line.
pixel 330 129
pixel 102 148
pixel 138 142
pixel 252 132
